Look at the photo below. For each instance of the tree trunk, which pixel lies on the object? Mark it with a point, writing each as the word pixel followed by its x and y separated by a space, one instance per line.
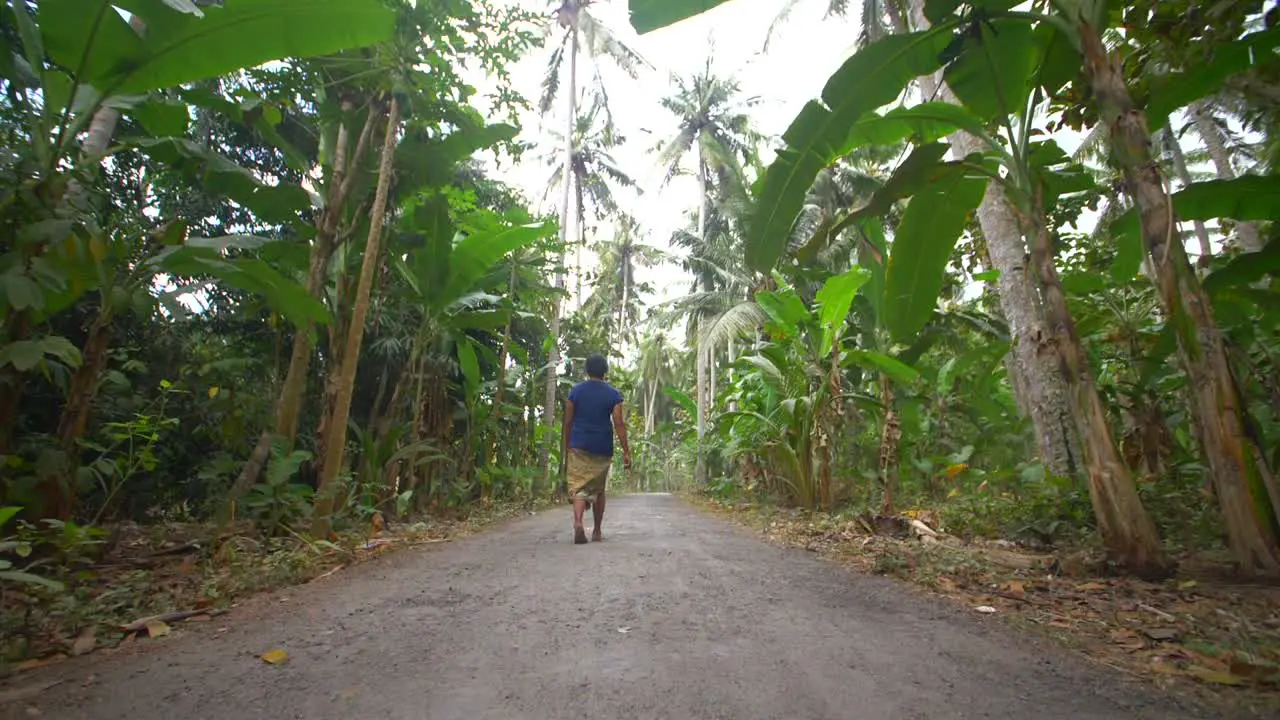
pixel 1045 395
pixel 890 438
pixel 503 354
pixel 335 445
pixel 292 391
pixel 1242 480
pixel 1125 526
pixel 553 359
pixel 700 464
pixel 1184 176
pixel 1215 141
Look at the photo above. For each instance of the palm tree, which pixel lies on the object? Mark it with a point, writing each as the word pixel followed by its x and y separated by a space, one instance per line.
pixel 615 302
pixel 592 173
pixel 581 31
pixel 714 126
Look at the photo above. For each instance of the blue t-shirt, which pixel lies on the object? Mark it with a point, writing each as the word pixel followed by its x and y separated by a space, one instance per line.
pixel 593 403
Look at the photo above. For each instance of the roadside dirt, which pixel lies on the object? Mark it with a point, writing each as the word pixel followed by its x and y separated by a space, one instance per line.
pixel 676 615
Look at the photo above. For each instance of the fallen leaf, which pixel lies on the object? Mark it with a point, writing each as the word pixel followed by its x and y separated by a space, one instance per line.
pixel 157 628
pixel 986 609
pixel 41 662
pixel 1016 588
pixel 1186 584
pixel 84 643
pixel 1217 677
pixel 624 630
pixel 1255 670
pixel 1085 587
pixel 1161 634
pixel 275 657
pixel 946 584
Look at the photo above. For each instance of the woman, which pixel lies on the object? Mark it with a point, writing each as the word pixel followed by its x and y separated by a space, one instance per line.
pixel 592 415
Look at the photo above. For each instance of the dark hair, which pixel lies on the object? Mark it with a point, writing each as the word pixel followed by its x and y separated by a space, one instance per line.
pixel 597 366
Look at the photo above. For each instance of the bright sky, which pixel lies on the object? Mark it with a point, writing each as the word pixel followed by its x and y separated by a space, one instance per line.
pixel 802 55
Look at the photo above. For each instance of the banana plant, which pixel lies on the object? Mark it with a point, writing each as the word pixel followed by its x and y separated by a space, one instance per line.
pixel 447 277
pixel 75 68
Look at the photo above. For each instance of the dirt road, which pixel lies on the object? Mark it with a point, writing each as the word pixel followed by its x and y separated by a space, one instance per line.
pixel 674 616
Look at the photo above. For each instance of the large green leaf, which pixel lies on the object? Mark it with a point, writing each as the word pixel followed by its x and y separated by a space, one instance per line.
pixel 250 275
pixel 476 253
pixel 92 39
pixel 923 123
pixel 276 204
pixel 992 77
pixel 922 245
pixel 650 15
pixel 833 299
pixel 1248 197
pixel 785 309
pixel 918 170
pixel 1178 89
pixel 469 364
pixel 433 223
pixel 1245 269
pixel 871 78
pixel 431 162
pixel 897 370
pixel 873 255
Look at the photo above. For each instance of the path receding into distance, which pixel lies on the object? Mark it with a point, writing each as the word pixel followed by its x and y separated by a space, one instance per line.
pixel 676 615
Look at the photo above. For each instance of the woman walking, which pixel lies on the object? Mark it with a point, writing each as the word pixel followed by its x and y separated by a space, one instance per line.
pixel 592 415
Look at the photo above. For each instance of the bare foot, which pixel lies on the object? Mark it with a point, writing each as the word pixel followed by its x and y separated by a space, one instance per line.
pixel 579 536
pixel 596 536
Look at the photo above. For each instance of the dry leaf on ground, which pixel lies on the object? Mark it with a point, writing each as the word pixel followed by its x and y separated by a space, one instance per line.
pixel 275 657
pixel 157 628
pixel 85 642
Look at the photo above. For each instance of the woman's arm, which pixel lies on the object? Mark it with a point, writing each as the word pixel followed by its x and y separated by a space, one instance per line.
pixel 620 427
pixel 568 428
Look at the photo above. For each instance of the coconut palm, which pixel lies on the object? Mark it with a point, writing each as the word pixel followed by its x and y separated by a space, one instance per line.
pixel 714 127
pixel 581 31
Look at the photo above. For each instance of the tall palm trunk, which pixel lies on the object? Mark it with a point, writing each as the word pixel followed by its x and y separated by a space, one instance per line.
pixel 700 464
pixel 1184 176
pixel 1215 141
pixel 1045 390
pixel 553 359
pixel 1243 482
pixel 334 446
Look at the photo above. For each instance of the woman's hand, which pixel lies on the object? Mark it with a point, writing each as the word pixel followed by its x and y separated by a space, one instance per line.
pixel 626 459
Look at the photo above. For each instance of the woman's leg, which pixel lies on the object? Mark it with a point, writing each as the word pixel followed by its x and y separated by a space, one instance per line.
pixel 579 507
pixel 597 514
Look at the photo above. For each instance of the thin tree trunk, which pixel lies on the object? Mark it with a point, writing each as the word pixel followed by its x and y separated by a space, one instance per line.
pixel 553 359
pixel 1125 526
pixel 335 445
pixel 289 403
pixel 1184 176
pixel 700 465
pixel 1207 127
pixel 502 367
pixel 890 438
pixel 1242 480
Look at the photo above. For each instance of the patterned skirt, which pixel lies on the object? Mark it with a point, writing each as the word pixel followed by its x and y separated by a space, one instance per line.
pixel 587 473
